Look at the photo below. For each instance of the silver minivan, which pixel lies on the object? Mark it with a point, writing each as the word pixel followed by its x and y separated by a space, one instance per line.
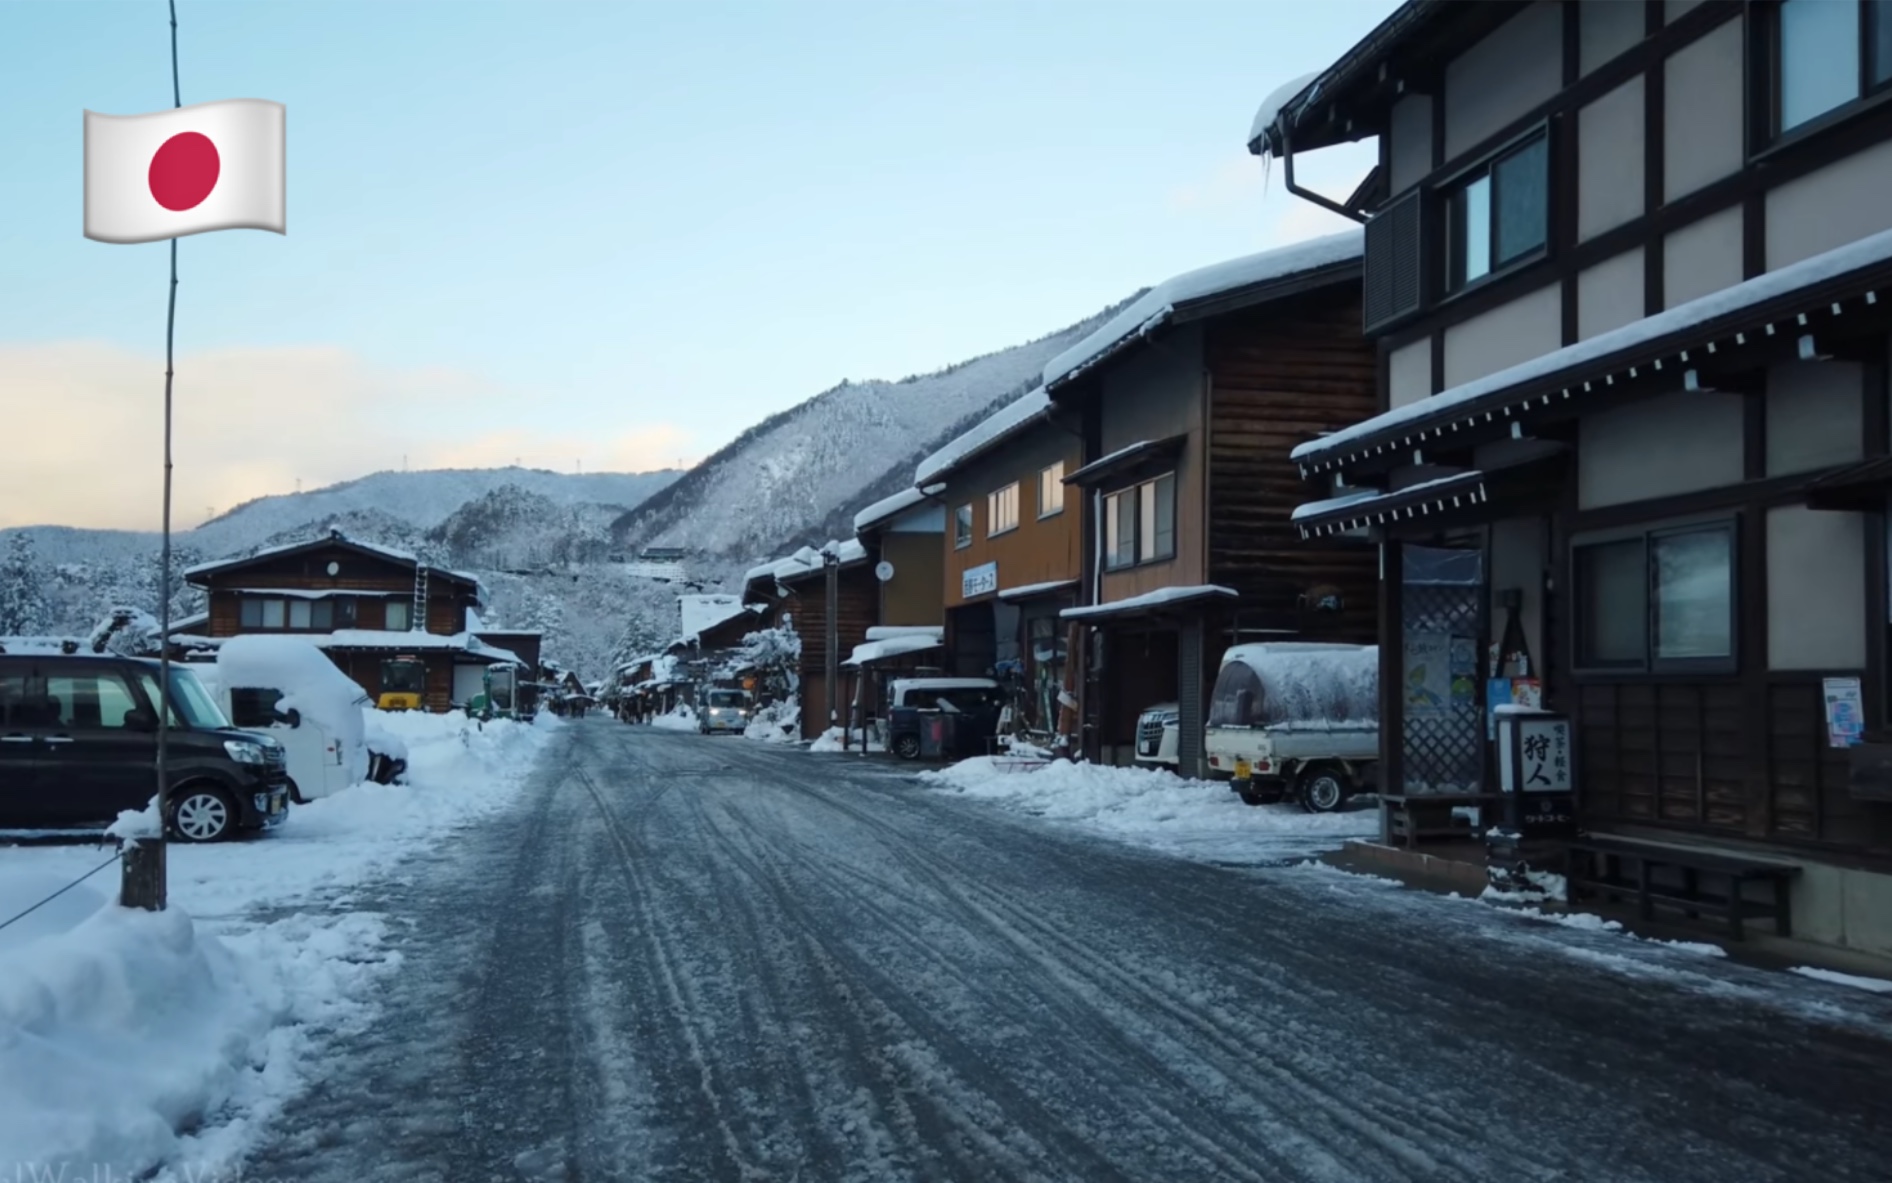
pixel 723 710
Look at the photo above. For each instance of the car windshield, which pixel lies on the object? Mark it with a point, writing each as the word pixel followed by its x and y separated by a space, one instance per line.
pixel 189 701
pixel 725 698
pixel 403 677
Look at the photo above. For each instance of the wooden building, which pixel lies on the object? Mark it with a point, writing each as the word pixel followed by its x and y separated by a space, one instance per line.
pixel 1187 405
pixel 794 592
pixel 1627 271
pixel 361 604
pixel 1012 551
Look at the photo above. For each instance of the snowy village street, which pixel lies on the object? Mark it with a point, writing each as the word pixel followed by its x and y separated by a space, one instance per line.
pixel 689 958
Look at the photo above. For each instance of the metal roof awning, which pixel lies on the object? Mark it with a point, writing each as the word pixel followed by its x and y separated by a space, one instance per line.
pixel 870 652
pixel 1863 486
pixel 1371 507
pixel 1126 462
pixel 1033 591
pixel 1156 603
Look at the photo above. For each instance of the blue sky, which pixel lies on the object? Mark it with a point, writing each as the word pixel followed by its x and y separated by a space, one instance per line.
pixel 611 234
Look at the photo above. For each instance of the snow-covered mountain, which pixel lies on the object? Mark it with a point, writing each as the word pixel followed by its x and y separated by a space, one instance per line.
pixel 797 477
pixel 421 499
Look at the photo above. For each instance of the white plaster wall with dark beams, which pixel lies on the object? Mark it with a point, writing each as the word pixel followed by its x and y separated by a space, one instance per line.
pixel 1816 589
pixel 1703 139
pixel 1702 257
pixel 1409 143
pixel 1409 373
pixel 1514 68
pixel 1630 454
pixel 1841 203
pixel 1609 295
pixel 1610 160
pixel 1607 30
pixel 1505 336
pixel 1815 416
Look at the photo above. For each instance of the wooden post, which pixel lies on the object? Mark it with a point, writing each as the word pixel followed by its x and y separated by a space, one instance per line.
pixel 1392 675
pixel 142 884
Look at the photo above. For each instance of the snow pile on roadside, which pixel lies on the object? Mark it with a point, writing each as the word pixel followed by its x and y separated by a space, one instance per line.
pixel 132 1025
pixel 832 740
pixel 1202 819
pixel 779 722
pixel 118 1028
pixel 1871 985
pixel 681 719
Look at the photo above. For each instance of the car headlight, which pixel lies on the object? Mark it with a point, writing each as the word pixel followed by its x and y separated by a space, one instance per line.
pixel 245 751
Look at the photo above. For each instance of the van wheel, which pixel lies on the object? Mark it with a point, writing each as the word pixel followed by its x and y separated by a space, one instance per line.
pixel 907 747
pixel 1324 788
pixel 201 814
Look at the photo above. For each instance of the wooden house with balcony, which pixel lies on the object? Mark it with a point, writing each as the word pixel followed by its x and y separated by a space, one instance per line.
pixel 388 620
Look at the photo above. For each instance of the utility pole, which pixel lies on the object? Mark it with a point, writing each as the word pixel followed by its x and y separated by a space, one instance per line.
pixel 832 561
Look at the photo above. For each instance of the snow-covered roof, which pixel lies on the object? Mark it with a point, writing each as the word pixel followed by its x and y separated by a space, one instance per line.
pixel 887 507
pixel 302 593
pixel 411 641
pixel 1312 508
pixel 183 624
pixel 988 433
pixel 872 651
pixel 703 612
pixel 886 632
pixel 1035 589
pixel 807 560
pixel 1152 309
pixel 1271 106
pixel 1161 597
pixel 333 536
pixel 1634 336
pixel 1372 507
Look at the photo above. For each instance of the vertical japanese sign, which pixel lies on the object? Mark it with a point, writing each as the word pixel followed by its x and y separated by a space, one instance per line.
pixel 1544 755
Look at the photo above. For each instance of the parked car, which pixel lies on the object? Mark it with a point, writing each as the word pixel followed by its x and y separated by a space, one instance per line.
pixel 1159 735
pixel 1296 718
pixel 78 746
pixel 913 702
pixel 724 710
pixel 287 689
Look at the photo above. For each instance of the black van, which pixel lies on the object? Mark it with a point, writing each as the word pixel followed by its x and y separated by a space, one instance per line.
pixel 79 744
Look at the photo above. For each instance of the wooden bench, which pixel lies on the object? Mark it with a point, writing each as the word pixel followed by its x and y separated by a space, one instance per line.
pixel 1615 868
pixel 1407 819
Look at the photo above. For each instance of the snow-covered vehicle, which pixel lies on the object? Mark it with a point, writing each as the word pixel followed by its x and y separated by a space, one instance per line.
pixel 289 690
pixel 724 710
pixel 1298 718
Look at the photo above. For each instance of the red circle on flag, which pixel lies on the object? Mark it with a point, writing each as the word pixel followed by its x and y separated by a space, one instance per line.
pixel 184 171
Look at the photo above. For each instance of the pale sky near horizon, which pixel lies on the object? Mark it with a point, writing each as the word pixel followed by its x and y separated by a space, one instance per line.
pixel 606 235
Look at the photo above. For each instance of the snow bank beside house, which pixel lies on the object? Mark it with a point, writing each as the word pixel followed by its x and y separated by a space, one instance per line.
pixel 1200 819
pixel 120 1028
pixel 1834 977
pixel 779 722
pixel 831 740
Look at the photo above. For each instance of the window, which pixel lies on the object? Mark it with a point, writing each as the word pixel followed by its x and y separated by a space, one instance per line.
pixel 344 613
pixel 1001 510
pixel 253 708
pixel 962 527
pixel 397 616
pixel 272 613
pixel 91 700
pixel 1499 214
pixel 322 615
pixel 1140 523
pixel 299 614
pixel 1662 600
pixel 1051 491
pixel 1828 53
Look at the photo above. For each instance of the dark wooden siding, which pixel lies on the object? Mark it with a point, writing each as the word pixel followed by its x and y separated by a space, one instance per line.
pixel 1279 378
pixel 857 599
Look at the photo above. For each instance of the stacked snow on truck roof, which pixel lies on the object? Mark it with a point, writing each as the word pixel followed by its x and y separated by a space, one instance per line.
pixel 1312 684
pixel 308 681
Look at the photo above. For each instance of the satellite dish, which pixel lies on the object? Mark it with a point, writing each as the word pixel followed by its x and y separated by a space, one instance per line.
pixel 334 568
pixel 884 571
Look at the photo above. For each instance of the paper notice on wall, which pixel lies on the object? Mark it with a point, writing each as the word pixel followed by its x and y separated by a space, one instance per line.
pixel 1845 714
pixel 1428 688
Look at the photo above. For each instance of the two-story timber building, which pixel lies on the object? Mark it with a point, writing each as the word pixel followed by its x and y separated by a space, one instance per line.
pixel 1628 267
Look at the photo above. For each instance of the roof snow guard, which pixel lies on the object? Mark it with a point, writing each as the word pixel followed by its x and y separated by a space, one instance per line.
pixel 1790 304
pixel 1370 507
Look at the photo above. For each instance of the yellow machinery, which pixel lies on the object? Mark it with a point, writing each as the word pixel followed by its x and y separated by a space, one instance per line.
pixel 403 684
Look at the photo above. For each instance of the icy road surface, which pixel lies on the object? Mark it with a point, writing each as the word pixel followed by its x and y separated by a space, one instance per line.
pixel 686 959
